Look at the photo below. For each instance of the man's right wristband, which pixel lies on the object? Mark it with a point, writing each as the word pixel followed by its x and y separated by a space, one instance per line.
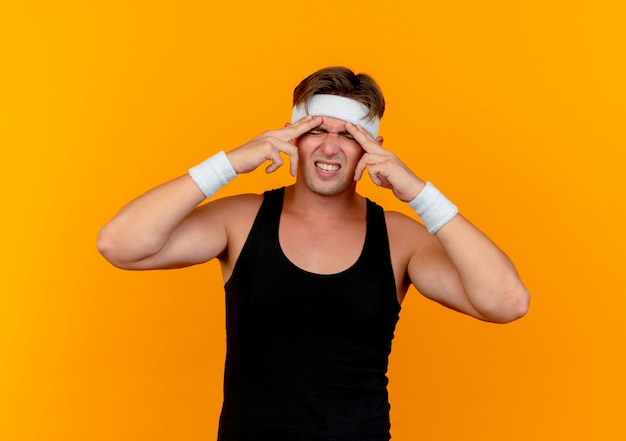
pixel 433 207
pixel 213 174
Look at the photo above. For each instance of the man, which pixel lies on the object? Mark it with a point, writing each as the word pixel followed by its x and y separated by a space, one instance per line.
pixel 315 273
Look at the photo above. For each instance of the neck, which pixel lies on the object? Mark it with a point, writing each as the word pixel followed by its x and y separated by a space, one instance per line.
pixel 302 200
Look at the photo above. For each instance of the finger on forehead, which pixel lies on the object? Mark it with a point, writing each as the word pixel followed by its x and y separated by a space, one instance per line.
pixel 368 143
pixel 303 125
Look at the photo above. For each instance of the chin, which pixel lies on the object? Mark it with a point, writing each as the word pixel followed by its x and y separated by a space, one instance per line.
pixel 327 188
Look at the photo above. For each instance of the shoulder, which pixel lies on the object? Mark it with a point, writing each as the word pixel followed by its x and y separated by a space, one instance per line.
pixel 407 236
pixel 399 222
pixel 231 211
pixel 232 205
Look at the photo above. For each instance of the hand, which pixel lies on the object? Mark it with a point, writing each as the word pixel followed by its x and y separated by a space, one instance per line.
pixel 384 168
pixel 268 146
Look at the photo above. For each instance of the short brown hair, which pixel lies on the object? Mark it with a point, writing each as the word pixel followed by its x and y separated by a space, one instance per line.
pixel 339 80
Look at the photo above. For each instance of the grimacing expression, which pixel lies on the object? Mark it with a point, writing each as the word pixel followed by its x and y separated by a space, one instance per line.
pixel 328 155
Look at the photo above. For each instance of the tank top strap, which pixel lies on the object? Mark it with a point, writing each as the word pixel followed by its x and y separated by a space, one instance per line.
pixel 268 216
pixel 272 206
pixel 377 241
pixel 273 199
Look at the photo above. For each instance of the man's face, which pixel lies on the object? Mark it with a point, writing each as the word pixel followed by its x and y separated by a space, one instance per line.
pixel 327 157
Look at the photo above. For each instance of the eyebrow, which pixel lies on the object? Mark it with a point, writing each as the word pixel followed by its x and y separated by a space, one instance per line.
pixel 322 129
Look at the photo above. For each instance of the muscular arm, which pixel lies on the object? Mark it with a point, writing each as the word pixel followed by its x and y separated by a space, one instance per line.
pixel 457 266
pixel 165 228
pixel 161 228
pixel 463 269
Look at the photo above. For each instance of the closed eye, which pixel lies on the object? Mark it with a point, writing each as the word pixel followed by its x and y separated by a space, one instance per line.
pixel 319 132
pixel 316 132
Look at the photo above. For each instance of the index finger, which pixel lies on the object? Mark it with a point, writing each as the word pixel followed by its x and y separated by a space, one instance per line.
pixel 369 144
pixel 300 127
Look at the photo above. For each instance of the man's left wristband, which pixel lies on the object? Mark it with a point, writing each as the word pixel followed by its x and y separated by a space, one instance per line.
pixel 433 207
pixel 213 174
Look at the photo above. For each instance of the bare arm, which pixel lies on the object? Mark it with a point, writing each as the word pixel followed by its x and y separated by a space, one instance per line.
pixel 463 269
pixel 165 228
pixel 159 228
pixel 458 266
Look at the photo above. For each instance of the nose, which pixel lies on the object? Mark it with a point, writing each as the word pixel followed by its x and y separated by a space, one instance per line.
pixel 330 144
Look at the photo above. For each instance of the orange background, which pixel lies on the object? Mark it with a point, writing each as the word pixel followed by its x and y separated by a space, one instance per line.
pixel 516 110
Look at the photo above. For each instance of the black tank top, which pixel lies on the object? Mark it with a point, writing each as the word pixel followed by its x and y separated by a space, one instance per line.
pixel 307 353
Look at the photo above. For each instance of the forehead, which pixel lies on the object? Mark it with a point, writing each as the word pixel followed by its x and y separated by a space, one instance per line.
pixel 332 123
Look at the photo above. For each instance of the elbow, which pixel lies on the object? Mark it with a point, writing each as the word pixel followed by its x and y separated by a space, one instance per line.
pixel 108 248
pixel 105 246
pixel 514 306
pixel 122 252
pixel 521 302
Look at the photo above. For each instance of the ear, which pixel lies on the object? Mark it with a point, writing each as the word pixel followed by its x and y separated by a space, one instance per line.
pixel 379 140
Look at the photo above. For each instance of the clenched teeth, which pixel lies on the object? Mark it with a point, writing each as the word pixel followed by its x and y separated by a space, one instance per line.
pixel 327 167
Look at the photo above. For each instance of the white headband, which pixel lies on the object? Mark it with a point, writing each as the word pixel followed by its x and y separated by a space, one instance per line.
pixel 338 107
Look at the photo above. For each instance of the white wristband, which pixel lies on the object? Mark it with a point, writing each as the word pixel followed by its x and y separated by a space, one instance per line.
pixel 213 174
pixel 433 207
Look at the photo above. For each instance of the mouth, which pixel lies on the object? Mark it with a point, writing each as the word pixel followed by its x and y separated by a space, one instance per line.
pixel 328 168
